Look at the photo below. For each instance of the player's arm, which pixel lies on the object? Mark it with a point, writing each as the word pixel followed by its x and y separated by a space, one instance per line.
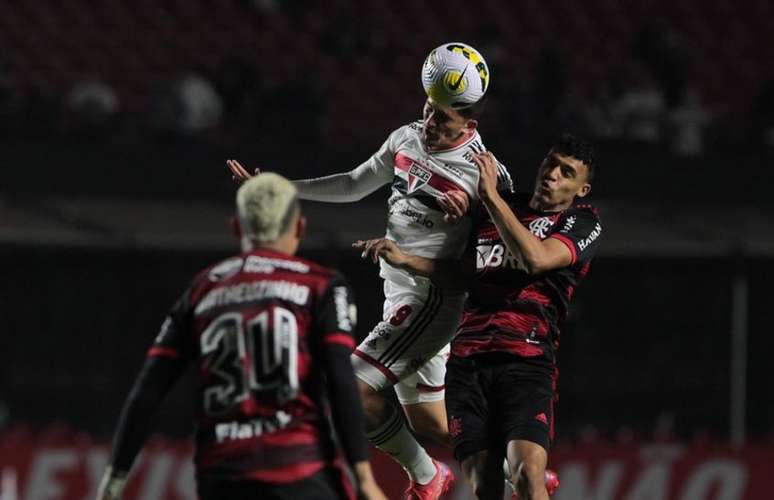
pixel 154 381
pixel 335 317
pixel 343 187
pixel 453 274
pixel 538 256
pixel 165 362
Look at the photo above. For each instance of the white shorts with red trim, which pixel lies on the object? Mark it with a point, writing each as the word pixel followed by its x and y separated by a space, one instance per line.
pixel 418 323
pixel 427 384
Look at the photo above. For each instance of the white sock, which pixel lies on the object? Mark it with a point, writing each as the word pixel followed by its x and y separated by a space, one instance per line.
pixel 507 475
pixel 395 439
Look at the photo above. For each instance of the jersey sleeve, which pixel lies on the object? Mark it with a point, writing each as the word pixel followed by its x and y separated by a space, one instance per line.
pixel 356 184
pixel 174 339
pixel 337 314
pixel 580 230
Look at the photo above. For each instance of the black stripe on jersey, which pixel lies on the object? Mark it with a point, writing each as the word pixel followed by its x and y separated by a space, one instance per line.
pixel 477 147
pixel 421 327
pixel 420 315
pixel 428 200
pixel 413 332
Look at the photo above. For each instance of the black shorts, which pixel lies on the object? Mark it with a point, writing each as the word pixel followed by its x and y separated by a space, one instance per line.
pixel 495 398
pixel 327 484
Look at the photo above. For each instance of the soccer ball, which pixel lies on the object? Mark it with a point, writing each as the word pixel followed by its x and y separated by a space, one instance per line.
pixel 455 75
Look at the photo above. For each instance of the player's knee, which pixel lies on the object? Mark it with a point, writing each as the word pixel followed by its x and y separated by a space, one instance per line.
pixel 430 426
pixel 530 475
pixel 428 421
pixel 374 405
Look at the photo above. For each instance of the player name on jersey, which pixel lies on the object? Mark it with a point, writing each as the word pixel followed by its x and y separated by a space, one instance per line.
pixel 251 292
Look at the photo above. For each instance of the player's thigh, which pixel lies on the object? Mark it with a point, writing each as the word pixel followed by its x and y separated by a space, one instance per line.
pixel 422 397
pixel 418 323
pixel 483 471
pixel 467 408
pixel 524 404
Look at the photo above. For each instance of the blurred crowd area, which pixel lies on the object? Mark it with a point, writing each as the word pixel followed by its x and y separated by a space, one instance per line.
pixel 688 76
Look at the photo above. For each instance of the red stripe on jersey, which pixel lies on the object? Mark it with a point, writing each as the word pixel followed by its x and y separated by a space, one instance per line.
pixel 287 473
pixel 163 352
pixel 534 294
pixel 371 361
pixel 568 242
pixel 438 182
pixel 340 338
pixel 429 388
pixel 464 346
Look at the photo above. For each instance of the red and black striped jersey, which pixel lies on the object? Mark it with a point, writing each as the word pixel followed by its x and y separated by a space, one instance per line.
pixel 254 325
pixel 509 310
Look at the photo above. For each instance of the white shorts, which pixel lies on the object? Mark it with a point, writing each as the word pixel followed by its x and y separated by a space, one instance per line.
pixel 409 347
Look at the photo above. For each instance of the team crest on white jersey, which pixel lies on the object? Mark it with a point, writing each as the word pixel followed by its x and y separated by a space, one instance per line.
pixel 540 226
pixel 417 177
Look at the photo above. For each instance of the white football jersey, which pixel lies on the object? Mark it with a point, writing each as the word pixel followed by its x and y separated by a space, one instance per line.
pixel 415 220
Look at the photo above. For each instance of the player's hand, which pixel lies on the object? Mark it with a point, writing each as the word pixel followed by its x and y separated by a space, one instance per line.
pixel 368 489
pixel 238 173
pixel 487 182
pixel 381 247
pixel 371 491
pixel 455 205
pixel 112 485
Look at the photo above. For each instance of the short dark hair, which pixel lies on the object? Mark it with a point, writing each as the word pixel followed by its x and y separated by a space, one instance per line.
pixel 474 111
pixel 579 149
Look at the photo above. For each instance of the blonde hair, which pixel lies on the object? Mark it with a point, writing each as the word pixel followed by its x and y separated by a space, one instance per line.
pixel 265 206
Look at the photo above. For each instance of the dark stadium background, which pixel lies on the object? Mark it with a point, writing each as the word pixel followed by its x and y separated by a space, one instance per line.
pixel 116 118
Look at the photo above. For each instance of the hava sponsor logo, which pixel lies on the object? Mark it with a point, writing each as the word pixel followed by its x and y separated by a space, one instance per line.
pixel 585 242
pixel 417 177
pixel 540 226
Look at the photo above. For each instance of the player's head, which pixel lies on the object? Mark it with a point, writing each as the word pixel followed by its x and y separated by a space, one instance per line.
pixel 269 214
pixel 566 172
pixel 444 127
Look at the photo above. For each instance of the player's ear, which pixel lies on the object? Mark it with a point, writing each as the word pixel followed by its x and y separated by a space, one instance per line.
pixel 584 190
pixel 236 228
pixel 300 227
pixel 471 124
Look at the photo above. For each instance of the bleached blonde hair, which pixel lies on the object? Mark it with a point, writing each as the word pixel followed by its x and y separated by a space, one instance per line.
pixel 266 204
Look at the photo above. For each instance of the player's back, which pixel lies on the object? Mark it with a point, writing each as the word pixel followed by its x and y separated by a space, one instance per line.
pixel 255 322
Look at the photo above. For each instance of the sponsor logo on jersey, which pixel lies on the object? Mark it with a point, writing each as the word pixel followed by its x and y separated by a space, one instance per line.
pixel 346 313
pixel 417 217
pixel 417 177
pixel 455 171
pixel 265 265
pixel 585 242
pixel 232 431
pixel 540 226
pixel 493 256
pixel 568 224
pixel 225 269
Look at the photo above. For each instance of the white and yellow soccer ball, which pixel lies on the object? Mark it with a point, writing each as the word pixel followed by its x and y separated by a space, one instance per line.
pixel 455 75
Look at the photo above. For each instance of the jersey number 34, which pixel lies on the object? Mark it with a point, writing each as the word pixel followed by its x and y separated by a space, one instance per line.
pixel 260 355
